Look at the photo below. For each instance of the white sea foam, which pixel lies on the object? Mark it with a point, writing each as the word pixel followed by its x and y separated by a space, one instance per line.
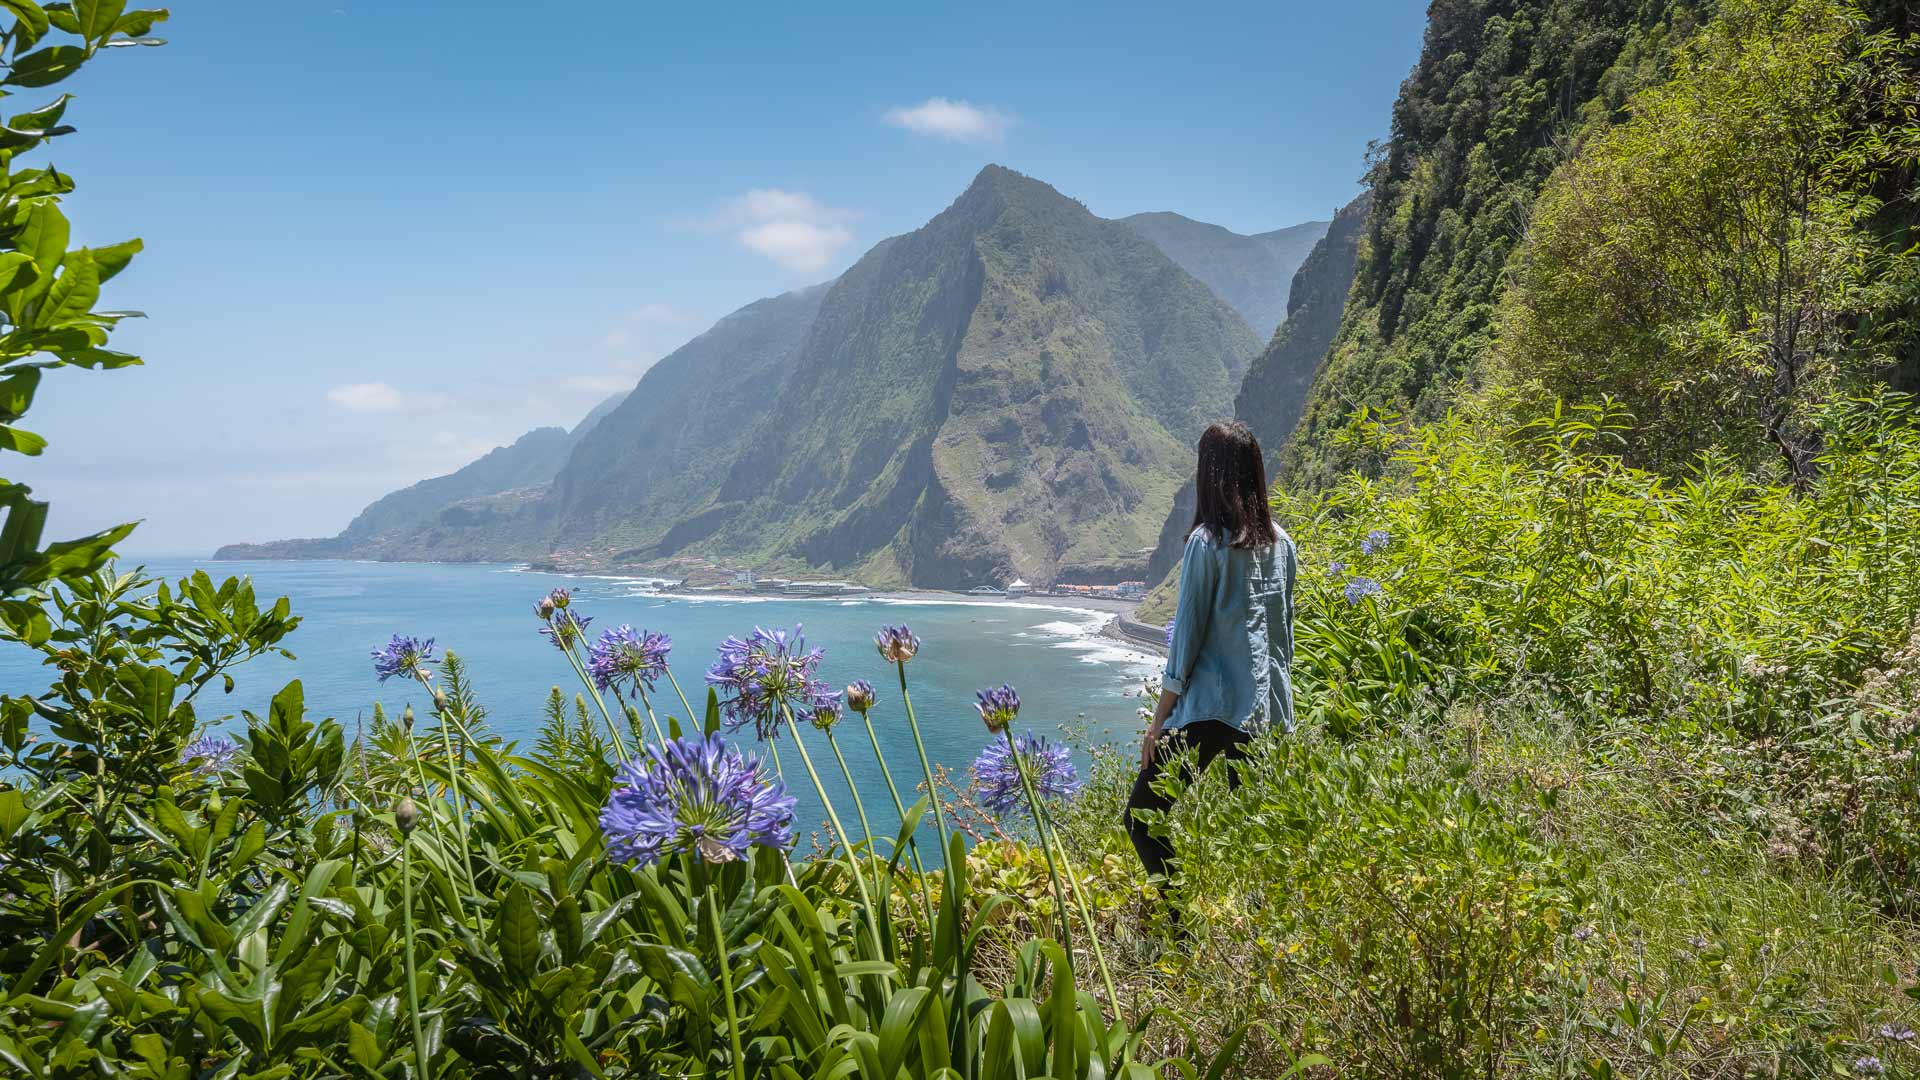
pixel 1104 652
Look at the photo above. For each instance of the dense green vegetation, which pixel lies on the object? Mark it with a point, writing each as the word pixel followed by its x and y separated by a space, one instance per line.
pixel 1501 95
pixel 1608 655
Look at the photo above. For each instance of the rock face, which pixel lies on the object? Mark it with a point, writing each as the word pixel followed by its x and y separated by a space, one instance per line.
pixel 1252 273
pixel 1274 392
pixel 992 395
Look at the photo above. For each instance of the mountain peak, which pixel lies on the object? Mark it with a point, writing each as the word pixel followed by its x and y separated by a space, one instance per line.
pixel 998 181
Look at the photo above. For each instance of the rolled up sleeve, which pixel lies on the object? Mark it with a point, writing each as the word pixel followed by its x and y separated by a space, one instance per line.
pixel 1199 578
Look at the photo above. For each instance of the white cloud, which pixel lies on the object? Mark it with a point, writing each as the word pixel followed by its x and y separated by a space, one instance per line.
pixel 960 121
pixel 602 384
pixel 382 397
pixel 797 245
pixel 792 228
pixel 368 397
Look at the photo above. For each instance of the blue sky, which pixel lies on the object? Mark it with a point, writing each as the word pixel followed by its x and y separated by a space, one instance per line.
pixel 382 238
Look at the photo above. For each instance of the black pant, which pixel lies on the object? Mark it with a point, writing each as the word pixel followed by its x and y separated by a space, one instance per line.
pixel 1211 738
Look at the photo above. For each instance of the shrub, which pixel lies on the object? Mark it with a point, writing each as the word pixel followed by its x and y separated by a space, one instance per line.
pixel 1402 920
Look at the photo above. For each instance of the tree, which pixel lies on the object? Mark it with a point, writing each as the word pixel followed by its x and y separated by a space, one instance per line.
pixel 1706 262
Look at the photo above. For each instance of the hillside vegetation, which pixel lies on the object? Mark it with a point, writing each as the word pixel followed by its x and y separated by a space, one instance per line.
pixel 1608 654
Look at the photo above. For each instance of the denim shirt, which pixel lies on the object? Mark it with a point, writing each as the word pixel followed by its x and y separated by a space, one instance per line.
pixel 1231 658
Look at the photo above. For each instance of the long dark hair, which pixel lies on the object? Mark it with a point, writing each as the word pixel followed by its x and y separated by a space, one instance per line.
pixel 1230 485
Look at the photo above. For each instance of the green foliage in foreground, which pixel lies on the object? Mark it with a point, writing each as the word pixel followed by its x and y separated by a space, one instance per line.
pixel 48 293
pixel 299 915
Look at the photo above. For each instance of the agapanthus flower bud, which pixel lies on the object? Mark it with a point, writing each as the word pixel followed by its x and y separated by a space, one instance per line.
pixel 544 607
pixel 896 644
pixel 406 815
pixel 998 706
pixel 439 698
pixel 406 719
pixel 566 629
pixel 561 597
pixel 824 714
pixel 860 695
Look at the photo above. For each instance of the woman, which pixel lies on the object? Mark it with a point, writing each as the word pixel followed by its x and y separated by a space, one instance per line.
pixel 1229 668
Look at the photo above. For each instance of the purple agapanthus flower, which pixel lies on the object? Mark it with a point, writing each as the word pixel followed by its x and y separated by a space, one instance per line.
pixel 1335 569
pixel 764 673
pixel 1375 542
pixel 627 657
pixel 1900 1033
pixel 1170 624
pixel 209 755
pixel 998 706
pixel 1868 1065
pixel 402 656
pixel 695 795
pixel 566 629
pixel 859 696
pixel 997 772
pixel 896 644
pixel 1362 587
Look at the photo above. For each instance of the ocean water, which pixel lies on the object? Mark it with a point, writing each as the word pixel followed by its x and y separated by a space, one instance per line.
pixel 1065 673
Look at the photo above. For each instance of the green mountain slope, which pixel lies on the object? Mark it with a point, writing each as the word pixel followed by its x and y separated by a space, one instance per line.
pixel 1251 273
pixel 1274 391
pixel 661 456
pixel 994 394
pixel 1498 99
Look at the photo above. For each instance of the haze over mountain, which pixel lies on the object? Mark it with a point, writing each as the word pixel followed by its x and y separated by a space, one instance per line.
pixel 1274 392
pixel 395 520
pixel 1010 390
pixel 1252 273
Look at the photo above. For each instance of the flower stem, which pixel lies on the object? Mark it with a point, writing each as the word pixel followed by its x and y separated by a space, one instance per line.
pixel 859 808
pixel 1086 912
pixel 913 845
pixel 1053 871
pixel 454 768
pixel 693 722
pixel 726 972
pixel 619 744
pixel 926 767
pixel 833 816
pixel 658 731
pixel 413 975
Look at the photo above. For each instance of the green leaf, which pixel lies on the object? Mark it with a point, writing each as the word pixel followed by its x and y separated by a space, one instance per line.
pixel 518 935
pixel 75 291
pixel 16 394
pixel 32 25
pixel 114 258
pixel 21 441
pixel 44 236
pixel 98 17
pixel 46 67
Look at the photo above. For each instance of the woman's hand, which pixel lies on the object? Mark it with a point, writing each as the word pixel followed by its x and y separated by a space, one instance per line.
pixel 1162 709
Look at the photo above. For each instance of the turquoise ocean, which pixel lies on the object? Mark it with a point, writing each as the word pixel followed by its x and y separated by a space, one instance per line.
pixel 1066 674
